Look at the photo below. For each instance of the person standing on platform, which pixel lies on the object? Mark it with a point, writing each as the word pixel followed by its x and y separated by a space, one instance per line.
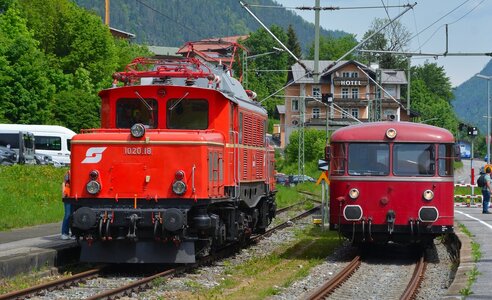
pixel 486 191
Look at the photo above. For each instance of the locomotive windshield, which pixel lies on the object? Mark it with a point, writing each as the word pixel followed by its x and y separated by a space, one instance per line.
pixel 131 111
pixel 368 159
pixel 187 114
pixel 447 156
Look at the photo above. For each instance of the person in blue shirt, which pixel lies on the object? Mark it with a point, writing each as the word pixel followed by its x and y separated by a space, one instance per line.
pixel 486 191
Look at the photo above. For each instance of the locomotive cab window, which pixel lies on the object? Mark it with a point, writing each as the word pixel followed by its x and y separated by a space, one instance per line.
pixel 136 110
pixel 368 159
pixel 414 159
pixel 187 114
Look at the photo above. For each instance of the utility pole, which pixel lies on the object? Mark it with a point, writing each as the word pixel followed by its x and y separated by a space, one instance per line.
pixel 106 14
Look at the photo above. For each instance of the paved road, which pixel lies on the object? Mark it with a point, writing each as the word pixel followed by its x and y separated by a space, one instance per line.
pixel 463 175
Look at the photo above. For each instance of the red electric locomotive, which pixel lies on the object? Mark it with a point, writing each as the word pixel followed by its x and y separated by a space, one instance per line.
pixel 181 166
pixel 391 181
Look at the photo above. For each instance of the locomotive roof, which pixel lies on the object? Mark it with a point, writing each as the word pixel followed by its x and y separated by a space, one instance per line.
pixel 406 132
pixel 230 87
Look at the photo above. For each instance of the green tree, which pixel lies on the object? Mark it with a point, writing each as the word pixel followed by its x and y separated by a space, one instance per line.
pixel 435 79
pixel 266 74
pixel 25 88
pixel 293 45
pixel 394 37
pixel 432 109
pixel 331 48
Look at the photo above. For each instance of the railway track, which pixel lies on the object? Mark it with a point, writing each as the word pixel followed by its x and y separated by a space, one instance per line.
pixel 340 282
pixel 137 284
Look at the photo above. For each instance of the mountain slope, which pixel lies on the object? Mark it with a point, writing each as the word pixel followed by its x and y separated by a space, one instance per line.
pixel 174 22
pixel 470 101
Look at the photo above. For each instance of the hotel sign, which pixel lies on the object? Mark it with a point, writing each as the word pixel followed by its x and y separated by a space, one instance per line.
pixel 350 82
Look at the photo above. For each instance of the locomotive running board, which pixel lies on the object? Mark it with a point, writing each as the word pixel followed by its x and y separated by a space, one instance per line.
pixel 137 252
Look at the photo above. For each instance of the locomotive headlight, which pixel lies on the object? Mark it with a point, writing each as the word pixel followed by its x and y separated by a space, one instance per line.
pixel 354 193
pixel 94 174
pixel 391 133
pixel 428 195
pixel 93 187
pixel 179 187
pixel 137 130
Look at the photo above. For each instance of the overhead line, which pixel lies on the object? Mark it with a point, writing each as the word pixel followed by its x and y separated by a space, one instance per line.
pixel 168 17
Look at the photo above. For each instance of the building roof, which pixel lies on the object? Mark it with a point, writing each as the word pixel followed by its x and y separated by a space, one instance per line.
pixel 281 109
pixel 326 67
pixel 121 34
pixel 213 49
pixel 393 77
pixel 164 51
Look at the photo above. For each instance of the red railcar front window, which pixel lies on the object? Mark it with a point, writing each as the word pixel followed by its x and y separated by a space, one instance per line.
pixel 337 159
pixel 414 159
pixel 136 110
pixel 368 159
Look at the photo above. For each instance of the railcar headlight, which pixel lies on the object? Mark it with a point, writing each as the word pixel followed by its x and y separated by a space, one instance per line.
pixel 137 130
pixel 179 187
pixel 93 187
pixel 428 195
pixel 391 133
pixel 354 193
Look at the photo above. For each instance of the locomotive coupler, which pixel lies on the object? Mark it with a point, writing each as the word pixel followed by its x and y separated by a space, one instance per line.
pixel 390 219
pixel 132 229
pixel 369 229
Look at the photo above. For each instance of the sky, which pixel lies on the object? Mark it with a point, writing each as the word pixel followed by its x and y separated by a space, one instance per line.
pixel 469 29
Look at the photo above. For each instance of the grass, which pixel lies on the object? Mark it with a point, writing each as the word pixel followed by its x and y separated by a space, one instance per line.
pixel 270 273
pixel 30 195
pixel 476 255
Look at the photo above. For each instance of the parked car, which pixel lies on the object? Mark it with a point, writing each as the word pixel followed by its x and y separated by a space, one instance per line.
pixel 8 156
pixel 282 179
pixel 295 179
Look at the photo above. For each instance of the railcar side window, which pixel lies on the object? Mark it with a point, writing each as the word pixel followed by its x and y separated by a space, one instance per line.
pixel 187 114
pixel 136 110
pixel 414 159
pixel 446 159
pixel 337 160
pixel 368 159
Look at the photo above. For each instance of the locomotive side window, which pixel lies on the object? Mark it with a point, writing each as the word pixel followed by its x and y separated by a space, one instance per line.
pixel 337 159
pixel 136 110
pixel 368 159
pixel 446 159
pixel 187 114
pixel 413 159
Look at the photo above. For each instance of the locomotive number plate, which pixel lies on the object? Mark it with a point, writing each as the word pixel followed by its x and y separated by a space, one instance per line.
pixel 138 151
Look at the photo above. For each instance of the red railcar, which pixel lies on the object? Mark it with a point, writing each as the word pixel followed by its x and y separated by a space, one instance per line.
pixel 391 181
pixel 181 166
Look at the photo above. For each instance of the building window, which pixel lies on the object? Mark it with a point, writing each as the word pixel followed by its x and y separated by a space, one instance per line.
pixel 316 112
pixel 295 105
pixel 355 93
pixel 316 92
pixel 350 74
pixel 345 93
pixel 355 112
pixel 345 113
pixel 390 89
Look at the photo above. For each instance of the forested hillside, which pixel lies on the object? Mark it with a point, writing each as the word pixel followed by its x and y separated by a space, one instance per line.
pixel 174 22
pixel 470 101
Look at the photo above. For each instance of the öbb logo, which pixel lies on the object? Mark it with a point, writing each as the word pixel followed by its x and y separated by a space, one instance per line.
pixel 93 155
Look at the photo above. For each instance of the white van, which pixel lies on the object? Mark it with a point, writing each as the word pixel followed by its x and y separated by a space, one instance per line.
pixel 51 140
